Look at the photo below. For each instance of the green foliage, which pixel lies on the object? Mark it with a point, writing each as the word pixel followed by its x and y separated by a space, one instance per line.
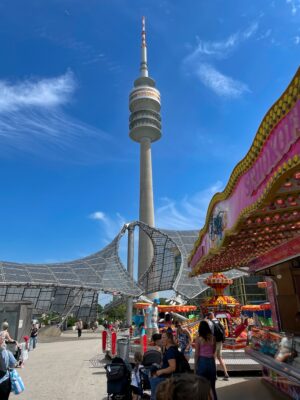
pixel 71 321
pixel 115 313
pixel 46 319
pixel 163 301
pixel 99 309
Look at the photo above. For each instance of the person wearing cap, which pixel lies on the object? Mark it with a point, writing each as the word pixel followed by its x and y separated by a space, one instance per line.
pixel 151 318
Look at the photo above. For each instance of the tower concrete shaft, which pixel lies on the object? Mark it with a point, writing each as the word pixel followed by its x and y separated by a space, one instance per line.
pixel 145 128
pixel 146 205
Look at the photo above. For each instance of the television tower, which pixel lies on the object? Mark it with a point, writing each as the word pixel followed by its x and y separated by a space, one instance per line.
pixel 145 128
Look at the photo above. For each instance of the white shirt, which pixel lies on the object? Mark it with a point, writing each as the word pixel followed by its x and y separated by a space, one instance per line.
pixel 151 317
pixel 135 376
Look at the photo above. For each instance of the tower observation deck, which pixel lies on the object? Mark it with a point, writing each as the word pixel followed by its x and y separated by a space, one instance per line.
pixel 145 128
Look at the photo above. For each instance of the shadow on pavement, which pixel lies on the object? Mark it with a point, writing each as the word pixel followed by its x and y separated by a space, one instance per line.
pixel 248 390
pixel 48 339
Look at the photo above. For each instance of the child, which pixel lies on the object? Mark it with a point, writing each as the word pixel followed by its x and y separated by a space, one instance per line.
pixel 135 376
pixel 24 351
pixel 142 330
pixel 142 333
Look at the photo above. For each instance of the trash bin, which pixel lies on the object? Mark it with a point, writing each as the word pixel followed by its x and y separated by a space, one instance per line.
pixel 123 348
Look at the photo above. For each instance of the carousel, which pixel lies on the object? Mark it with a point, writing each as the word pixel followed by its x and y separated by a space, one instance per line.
pixel 170 315
pixel 228 311
pixel 167 308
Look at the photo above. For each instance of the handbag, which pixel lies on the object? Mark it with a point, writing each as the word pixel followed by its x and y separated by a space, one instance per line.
pixel 17 385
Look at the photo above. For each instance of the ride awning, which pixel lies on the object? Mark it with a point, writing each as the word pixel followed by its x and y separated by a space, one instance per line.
pixel 255 221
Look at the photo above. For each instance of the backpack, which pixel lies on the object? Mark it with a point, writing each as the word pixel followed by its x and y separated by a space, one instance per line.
pixel 219 332
pixel 182 364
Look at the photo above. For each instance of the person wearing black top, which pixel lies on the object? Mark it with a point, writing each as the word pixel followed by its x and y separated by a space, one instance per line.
pixel 168 363
pixel 33 336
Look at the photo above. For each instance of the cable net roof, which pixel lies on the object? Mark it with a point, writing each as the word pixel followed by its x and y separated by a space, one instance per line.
pixel 53 299
pixel 75 285
pixel 169 266
pixel 58 287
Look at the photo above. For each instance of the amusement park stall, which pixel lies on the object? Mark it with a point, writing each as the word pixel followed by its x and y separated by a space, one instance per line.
pixel 254 224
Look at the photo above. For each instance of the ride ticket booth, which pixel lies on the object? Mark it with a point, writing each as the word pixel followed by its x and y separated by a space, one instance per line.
pixel 254 225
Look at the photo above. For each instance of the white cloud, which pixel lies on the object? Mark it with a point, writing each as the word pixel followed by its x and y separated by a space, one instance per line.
pixel 250 31
pixel 297 40
pixel 33 120
pixel 42 93
pixel 295 5
pixel 98 215
pixel 215 49
pixel 187 213
pixel 265 35
pixel 201 59
pixel 221 84
pixel 110 225
pixel 222 48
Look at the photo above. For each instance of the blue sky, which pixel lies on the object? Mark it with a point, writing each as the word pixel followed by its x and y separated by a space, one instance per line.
pixel 69 172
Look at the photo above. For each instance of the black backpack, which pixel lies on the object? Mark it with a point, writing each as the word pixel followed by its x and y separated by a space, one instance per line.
pixel 219 332
pixel 182 364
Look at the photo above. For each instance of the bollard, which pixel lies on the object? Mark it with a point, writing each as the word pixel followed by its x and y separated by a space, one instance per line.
pixel 113 343
pixel 144 343
pixel 104 340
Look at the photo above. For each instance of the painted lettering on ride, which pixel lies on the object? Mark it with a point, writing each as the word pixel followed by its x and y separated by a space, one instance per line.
pixel 276 147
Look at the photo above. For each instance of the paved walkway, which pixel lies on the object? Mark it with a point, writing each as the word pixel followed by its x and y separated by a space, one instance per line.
pixel 60 370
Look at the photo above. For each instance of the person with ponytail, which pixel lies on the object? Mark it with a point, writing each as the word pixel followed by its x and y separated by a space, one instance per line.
pixel 205 348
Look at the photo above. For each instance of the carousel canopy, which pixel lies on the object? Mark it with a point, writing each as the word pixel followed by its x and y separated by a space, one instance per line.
pixel 255 221
pixel 168 308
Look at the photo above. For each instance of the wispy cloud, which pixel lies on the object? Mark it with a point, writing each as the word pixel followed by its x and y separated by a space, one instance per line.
pixel 110 225
pixel 294 5
pixel 33 119
pixel 201 62
pixel 36 93
pixel 221 84
pixel 250 31
pixel 221 48
pixel 297 40
pixel 265 34
pixel 87 53
pixel 187 213
pixel 184 214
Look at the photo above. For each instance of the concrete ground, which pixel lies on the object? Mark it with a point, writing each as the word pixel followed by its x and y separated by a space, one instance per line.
pixel 59 369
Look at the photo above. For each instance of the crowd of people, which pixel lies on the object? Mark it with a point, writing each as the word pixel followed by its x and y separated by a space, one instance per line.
pixel 13 355
pixel 167 381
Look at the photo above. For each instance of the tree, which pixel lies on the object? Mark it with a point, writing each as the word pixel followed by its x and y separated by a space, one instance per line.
pixel 99 309
pixel 163 301
pixel 118 312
